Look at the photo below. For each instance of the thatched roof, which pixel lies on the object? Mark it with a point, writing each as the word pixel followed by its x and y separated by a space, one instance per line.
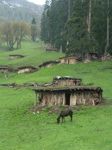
pixel 64 89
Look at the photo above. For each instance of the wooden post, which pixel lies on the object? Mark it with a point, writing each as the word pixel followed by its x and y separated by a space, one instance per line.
pixel 35 100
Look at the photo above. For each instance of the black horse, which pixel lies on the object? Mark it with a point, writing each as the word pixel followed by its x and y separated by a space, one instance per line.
pixel 63 114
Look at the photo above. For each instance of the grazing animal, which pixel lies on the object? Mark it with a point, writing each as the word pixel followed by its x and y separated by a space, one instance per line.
pixel 63 114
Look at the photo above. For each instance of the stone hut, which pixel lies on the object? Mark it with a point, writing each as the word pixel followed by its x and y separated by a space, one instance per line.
pixel 77 95
pixel 66 81
pixel 27 69
pixel 48 64
pixel 72 59
pixel 11 57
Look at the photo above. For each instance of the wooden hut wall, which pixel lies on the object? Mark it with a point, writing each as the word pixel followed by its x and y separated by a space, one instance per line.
pixel 49 65
pixel 62 60
pixel 68 60
pixel 85 98
pixel 73 99
pixel 51 50
pixel 71 82
pixel 89 98
pixel 24 70
pixel 4 70
pixel 62 82
pixel 14 57
pixel 49 98
pixel 72 61
pixel 11 57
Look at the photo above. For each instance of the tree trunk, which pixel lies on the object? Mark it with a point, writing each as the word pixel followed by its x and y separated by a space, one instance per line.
pixel 89 17
pixel 18 45
pixel 61 49
pixel 107 38
pixel 69 8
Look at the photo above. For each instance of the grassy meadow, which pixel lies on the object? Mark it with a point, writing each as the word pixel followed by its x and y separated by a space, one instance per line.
pixel 19 130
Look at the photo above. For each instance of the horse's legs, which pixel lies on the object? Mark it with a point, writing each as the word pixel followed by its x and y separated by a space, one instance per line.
pixel 71 118
pixel 63 119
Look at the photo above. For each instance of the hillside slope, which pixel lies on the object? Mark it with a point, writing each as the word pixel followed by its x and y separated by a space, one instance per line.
pixel 34 55
pixel 91 128
pixel 20 10
pixel 96 73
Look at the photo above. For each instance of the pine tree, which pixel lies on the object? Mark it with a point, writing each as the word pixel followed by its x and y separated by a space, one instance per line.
pixel 78 26
pixel 45 23
pixel 33 30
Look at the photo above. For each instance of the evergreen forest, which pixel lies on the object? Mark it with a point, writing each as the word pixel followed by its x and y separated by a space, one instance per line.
pixel 78 26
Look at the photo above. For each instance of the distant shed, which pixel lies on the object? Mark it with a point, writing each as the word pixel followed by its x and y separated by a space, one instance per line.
pixel 72 59
pixel 89 96
pixel 27 69
pixel 17 56
pixel 66 81
pixel 4 68
pixel 48 64
pixel 49 50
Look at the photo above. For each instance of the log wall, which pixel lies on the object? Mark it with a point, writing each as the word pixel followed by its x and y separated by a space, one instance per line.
pixel 68 60
pixel 4 70
pixel 69 82
pixel 88 98
pixel 25 70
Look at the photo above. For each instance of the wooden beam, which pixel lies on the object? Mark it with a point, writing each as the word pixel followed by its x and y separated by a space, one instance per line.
pixel 35 100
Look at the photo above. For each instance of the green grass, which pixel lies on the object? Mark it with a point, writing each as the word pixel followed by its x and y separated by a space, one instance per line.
pixel 90 73
pixel 91 128
pixel 35 55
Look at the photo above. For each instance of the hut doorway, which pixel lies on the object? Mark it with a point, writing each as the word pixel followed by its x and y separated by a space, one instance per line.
pixel 67 98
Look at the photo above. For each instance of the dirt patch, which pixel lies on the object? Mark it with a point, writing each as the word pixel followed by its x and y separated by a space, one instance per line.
pixel 58 108
pixel 52 109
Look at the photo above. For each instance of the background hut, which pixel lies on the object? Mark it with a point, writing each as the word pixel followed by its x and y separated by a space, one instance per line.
pixel 11 57
pixel 48 64
pixel 4 68
pixel 66 81
pixel 26 69
pixel 49 50
pixel 72 59
pixel 88 96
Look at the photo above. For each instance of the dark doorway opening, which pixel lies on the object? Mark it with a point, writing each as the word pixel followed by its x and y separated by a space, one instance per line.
pixel 67 97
